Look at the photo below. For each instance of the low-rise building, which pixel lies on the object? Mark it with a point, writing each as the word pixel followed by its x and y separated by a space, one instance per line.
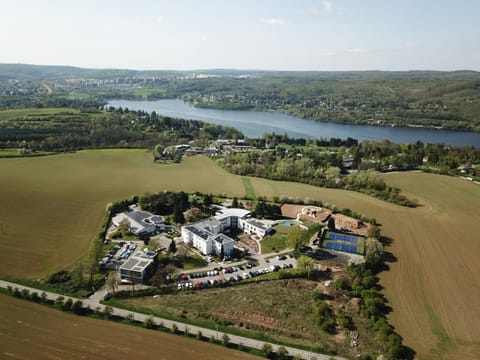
pixel 140 222
pixel 256 227
pixel 138 268
pixel 208 235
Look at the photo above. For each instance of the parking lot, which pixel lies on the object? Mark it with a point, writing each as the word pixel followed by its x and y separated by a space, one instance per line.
pixel 234 273
pixel 121 252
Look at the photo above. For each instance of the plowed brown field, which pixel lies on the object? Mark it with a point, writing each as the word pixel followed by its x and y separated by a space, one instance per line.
pixel 33 331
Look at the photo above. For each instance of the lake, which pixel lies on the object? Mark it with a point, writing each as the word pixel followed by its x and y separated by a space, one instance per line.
pixel 256 123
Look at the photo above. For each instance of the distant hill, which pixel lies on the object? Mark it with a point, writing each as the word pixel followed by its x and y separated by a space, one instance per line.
pixel 52 72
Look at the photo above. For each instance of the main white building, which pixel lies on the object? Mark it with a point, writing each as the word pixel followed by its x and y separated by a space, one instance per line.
pixel 207 235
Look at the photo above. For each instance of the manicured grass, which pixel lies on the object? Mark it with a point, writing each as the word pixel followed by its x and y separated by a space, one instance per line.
pixel 249 191
pixel 193 262
pixel 279 239
pixel 33 331
pixel 276 241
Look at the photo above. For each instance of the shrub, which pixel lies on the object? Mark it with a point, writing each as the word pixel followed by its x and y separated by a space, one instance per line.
pixel 77 307
pixel 174 328
pixel 267 349
pixel 225 340
pixel 149 322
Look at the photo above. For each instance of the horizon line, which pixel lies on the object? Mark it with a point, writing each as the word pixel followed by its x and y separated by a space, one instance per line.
pixel 234 69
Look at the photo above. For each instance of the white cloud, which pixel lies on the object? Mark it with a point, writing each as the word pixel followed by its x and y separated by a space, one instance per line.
pixel 273 21
pixel 161 19
pixel 326 7
pixel 357 50
pixel 203 38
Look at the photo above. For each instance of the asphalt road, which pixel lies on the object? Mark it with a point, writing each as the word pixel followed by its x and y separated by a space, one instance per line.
pixel 93 303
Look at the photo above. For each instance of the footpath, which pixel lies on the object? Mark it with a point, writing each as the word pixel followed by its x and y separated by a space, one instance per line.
pixel 192 329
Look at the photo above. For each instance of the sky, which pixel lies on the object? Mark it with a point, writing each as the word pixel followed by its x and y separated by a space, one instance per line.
pixel 323 35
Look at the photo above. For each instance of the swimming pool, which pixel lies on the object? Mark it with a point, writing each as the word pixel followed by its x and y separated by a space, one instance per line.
pixel 289 223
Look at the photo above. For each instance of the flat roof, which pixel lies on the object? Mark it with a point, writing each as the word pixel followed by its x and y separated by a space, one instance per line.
pixel 258 224
pixel 224 212
pixel 136 264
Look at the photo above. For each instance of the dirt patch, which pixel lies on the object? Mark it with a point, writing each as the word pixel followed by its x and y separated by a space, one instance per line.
pixel 347 223
pixel 290 210
pixel 308 212
pixel 249 243
pixel 257 319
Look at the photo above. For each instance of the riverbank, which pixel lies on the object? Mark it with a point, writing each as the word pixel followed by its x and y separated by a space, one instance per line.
pixel 255 123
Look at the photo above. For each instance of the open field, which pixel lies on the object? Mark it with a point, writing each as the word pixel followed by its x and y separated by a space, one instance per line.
pixel 20 113
pixel 25 336
pixel 53 206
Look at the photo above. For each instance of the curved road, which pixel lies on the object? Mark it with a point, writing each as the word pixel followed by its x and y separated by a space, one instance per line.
pixel 93 304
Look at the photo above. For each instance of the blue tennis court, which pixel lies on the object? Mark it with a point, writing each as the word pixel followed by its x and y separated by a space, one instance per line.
pixel 341 247
pixel 341 237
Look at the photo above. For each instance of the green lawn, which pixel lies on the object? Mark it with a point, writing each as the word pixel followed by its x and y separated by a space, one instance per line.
pixel 279 240
pixel 193 262
pixel 276 241
pixel 249 191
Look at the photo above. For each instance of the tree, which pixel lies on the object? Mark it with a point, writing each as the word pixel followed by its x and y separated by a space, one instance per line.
pixel 108 311
pixel 235 202
pixel 331 223
pixel 374 252
pixel 158 279
pixel 222 252
pixel 172 247
pixel 225 340
pixel 373 232
pixel 306 264
pixel 267 349
pixel 322 314
pixel 207 200
pixel 67 304
pixel 112 279
pixel 182 253
pixel 178 216
pixel 282 353
pixel 124 227
pixel 77 307
pixel 149 323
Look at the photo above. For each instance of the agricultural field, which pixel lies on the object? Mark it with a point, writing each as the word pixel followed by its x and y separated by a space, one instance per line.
pixel 53 206
pixel 25 336
pixel 280 309
pixel 25 113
